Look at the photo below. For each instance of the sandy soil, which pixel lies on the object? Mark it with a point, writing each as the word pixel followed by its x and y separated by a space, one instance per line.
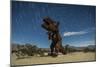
pixel 72 57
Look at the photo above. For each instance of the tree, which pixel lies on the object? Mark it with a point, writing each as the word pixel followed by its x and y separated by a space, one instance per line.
pixel 86 49
pixel 32 49
pixel 67 48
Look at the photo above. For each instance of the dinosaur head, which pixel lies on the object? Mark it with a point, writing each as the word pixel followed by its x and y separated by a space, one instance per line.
pixel 50 25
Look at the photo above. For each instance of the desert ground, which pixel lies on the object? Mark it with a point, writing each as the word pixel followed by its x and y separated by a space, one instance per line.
pixel 71 57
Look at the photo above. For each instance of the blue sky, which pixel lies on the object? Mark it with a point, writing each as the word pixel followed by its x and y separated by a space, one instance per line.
pixel 77 23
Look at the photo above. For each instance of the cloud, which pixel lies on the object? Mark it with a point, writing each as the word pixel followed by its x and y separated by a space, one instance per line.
pixel 82 32
pixel 74 33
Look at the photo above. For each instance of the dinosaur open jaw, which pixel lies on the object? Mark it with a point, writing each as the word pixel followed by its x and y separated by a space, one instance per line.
pixel 45 27
pixel 49 25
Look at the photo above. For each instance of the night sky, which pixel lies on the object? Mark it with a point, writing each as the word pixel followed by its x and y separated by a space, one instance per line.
pixel 77 23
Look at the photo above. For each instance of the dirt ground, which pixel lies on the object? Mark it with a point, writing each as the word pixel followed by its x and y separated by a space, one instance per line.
pixel 71 57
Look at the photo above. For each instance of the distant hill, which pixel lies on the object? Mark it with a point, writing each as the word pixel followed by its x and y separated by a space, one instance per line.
pixel 91 47
pixel 15 47
pixel 81 48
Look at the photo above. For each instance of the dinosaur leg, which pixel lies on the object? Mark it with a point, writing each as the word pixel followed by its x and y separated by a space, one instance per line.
pixel 61 49
pixel 52 48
